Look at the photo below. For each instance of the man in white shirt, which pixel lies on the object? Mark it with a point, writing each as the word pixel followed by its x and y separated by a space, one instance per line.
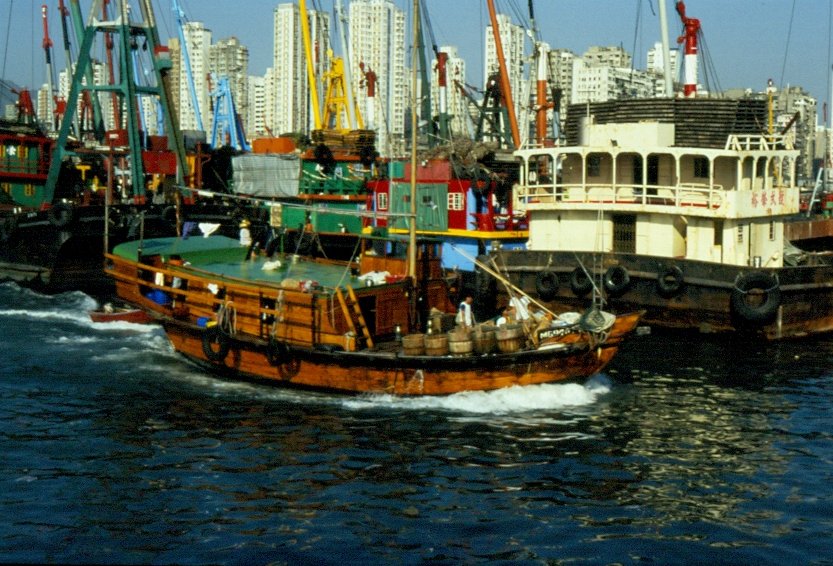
pixel 465 317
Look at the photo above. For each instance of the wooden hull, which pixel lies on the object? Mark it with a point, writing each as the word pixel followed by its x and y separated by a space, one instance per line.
pixel 709 297
pixel 395 373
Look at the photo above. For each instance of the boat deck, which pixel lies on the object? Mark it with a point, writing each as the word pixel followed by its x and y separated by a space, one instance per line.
pixel 224 258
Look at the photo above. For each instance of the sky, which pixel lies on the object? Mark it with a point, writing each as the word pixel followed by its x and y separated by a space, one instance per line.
pixel 746 41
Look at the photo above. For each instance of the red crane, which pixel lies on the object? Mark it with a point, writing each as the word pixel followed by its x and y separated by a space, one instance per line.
pixel 691 29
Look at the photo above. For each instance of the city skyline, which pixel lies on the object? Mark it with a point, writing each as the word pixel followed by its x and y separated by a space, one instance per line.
pixel 746 39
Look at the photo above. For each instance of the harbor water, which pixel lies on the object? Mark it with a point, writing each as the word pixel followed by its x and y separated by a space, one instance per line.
pixel 115 450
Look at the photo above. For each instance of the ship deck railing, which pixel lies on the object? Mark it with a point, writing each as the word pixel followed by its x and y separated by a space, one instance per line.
pixel 695 195
pixel 757 142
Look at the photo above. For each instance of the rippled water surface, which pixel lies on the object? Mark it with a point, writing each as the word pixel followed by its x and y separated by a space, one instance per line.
pixel 116 451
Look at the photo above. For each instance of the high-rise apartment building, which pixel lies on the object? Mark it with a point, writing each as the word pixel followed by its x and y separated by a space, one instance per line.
pixel 288 91
pixel 198 41
pixel 377 41
pixel 228 58
pixel 512 39
pixel 255 119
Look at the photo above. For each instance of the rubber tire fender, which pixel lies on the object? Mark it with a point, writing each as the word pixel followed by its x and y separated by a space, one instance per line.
pixel 766 283
pixel 617 280
pixel 580 283
pixel 670 281
pixel 546 285
pixel 276 352
pixel 60 214
pixel 214 335
pixel 169 214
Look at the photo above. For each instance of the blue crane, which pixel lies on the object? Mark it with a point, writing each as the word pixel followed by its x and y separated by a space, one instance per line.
pixel 189 78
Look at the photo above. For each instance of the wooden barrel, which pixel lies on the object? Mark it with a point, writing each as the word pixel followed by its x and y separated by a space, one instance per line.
pixel 459 342
pixel 484 339
pixel 413 344
pixel 509 338
pixel 436 345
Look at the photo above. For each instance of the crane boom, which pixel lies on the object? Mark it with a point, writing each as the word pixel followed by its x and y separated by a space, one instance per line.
pixel 189 75
pixel 47 49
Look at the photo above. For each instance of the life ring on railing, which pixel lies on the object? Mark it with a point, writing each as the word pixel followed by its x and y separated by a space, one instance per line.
pixel 60 214
pixel 670 282
pixel 616 280
pixel 546 284
pixel 580 282
pixel 758 283
pixel 215 343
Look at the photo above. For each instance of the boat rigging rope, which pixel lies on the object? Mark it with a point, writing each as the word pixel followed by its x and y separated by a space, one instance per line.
pixel 227 318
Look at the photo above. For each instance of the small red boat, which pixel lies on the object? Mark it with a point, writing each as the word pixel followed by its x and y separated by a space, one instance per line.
pixel 112 313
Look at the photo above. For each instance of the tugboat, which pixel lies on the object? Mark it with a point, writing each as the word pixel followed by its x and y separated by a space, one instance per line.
pixel 677 206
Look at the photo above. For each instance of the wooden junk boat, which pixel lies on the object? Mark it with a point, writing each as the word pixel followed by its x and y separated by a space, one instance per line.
pixel 348 327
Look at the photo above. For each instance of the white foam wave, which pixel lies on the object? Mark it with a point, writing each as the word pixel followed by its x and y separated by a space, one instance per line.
pixel 499 402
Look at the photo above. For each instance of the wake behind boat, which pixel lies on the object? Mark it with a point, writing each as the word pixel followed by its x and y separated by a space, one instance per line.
pixel 344 327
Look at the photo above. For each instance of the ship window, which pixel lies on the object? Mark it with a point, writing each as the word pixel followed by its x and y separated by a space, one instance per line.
pixel 771 231
pixel 740 234
pixel 594 165
pixel 382 201
pixel 29 190
pixel 624 233
pixel 701 167
pixel 455 201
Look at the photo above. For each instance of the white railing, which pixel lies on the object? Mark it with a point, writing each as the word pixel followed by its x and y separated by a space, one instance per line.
pixel 683 195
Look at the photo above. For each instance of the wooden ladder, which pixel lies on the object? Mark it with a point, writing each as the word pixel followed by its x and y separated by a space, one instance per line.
pixel 353 313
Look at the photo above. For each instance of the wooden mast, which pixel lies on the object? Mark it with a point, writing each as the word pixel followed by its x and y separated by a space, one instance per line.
pixel 412 253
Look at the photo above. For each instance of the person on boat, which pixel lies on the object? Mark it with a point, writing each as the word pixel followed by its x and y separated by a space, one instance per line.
pixel 507 316
pixel 465 318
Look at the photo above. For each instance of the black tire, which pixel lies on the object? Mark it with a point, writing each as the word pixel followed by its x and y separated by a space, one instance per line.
pixel 169 215
pixel 215 344
pixel 276 353
pixel 7 228
pixel 617 280
pixel 60 214
pixel 580 283
pixel 546 285
pixel 758 283
pixel 670 282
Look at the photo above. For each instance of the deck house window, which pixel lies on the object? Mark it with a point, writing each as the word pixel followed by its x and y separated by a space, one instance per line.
pixel 771 231
pixel 594 165
pixel 740 234
pixel 455 201
pixel 624 233
pixel 701 167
